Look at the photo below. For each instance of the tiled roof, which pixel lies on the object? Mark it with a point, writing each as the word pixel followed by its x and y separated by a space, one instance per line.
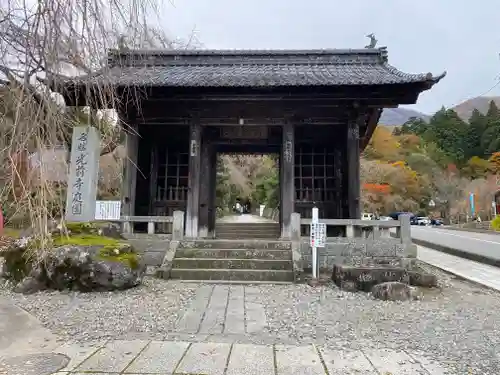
pixel 239 68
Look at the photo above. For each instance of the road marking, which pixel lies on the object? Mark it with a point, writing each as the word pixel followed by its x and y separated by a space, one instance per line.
pixel 469 238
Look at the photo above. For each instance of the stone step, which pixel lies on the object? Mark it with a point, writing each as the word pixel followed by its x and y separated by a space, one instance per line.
pixel 229 263
pixel 248 225
pixel 236 244
pixel 231 274
pixel 249 236
pixel 241 282
pixel 250 230
pixel 262 254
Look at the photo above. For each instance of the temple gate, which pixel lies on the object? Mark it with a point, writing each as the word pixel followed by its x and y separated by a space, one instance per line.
pixel 317 109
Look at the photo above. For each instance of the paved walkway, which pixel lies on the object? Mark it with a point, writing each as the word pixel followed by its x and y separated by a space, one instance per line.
pixel 223 309
pixel 477 272
pixel 177 357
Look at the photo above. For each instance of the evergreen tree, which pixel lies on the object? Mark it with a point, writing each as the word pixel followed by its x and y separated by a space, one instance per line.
pixel 490 138
pixel 474 135
pixel 448 132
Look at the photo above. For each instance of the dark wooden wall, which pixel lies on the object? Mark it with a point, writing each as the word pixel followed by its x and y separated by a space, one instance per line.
pixel 163 164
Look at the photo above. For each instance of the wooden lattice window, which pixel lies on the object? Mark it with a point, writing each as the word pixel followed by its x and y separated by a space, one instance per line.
pixel 314 175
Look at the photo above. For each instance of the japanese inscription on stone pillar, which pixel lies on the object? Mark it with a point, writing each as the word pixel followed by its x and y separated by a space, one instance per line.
pixel 83 174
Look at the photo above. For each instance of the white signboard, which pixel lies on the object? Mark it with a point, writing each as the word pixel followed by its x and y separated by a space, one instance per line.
pixel 318 235
pixel 83 174
pixel 107 210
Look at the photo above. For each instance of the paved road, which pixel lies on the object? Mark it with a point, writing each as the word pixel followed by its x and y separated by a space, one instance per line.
pixel 479 243
pixel 477 272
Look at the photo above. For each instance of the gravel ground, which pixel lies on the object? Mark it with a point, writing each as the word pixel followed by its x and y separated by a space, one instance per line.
pixel 458 324
pixel 151 308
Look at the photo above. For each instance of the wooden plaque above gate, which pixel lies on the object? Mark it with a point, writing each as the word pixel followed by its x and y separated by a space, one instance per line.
pixel 243 132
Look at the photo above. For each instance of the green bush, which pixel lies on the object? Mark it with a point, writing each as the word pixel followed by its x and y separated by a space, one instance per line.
pixel 495 223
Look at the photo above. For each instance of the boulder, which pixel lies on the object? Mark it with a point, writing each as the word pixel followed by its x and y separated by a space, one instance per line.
pixel 84 257
pixel 93 268
pixel 15 260
pixel 393 291
pixel 111 230
pixel 30 285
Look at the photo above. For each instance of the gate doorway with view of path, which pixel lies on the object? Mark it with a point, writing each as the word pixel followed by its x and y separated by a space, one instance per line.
pixel 247 176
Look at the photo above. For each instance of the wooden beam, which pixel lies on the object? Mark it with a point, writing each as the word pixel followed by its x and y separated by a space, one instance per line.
pixel 353 164
pixel 371 125
pixel 287 183
pixel 205 169
pixel 193 196
pixel 130 166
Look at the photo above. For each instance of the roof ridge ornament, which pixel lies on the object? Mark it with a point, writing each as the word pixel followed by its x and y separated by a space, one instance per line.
pixel 373 41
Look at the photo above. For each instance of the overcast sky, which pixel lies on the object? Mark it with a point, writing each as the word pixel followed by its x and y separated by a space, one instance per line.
pixel 459 36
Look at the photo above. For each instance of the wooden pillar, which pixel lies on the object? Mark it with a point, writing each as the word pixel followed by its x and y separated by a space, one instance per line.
pixel 193 196
pixel 287 183
pixel 205 178
pixel 212 185
pixel 129 181
pixel 337 174
pixel 353 164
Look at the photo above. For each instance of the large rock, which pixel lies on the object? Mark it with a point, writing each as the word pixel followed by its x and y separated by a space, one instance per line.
pixel 393 291
pixel 111 230
pixel 16 263
pixel 30 285
pixel 93 268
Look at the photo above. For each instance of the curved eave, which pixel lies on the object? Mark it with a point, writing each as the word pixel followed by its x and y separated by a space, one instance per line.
pixel 77 90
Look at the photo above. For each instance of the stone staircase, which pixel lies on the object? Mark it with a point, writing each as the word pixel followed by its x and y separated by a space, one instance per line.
pixel 233 260
pixel 241 231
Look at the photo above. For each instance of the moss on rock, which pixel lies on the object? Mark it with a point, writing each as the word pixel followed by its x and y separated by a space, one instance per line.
pixel 112 249
pixel 81 228
pixel 117 254
pixel 86 240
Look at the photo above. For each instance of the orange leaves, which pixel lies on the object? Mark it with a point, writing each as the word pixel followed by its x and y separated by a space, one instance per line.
pixel 495 162
pixel 377 188
pixel 399 164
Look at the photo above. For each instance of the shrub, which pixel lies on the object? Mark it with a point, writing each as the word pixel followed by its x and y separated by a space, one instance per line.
pixel 495 223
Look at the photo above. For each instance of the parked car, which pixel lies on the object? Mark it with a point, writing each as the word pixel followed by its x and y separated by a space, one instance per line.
pixel 423 220
pixel 367 216
pixel 385 218
pixel 395 216
pixel 436 222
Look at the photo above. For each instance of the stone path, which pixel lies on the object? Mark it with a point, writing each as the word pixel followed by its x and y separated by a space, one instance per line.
pixel 223 309
pixel 477 272
pixel 184 358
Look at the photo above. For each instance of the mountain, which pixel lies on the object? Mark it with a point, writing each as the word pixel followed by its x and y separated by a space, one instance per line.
pixel 481 103
pixel 398 116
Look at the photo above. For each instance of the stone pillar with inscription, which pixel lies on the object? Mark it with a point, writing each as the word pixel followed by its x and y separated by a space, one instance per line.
pixel 83 174
pixel 287 183
pixel 353 164
pixel 193 197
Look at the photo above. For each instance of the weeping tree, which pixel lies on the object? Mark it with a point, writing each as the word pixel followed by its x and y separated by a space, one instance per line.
pixel 52 38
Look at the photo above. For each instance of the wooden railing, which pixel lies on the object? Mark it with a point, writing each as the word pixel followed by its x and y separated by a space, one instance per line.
pixel 176 222
pixel 364 228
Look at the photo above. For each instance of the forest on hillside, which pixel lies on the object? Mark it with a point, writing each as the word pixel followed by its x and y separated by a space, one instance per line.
pixel 443 161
